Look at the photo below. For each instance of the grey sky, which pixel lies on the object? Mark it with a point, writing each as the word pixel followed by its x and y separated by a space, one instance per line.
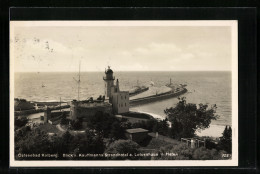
pixel 124 48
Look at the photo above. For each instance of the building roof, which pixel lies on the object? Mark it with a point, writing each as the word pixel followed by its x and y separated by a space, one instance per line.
pixel 136 130
pixel 109 71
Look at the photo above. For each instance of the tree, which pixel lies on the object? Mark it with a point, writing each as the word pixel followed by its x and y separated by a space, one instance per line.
pixel 116 132
pixel 20 122
pixel 150 124
pixel 162 127
pixel 123 147
pixel 90 142
pixel 62 144
pixel 36 142
pixel 186 118
pixel 64 120
pixel 102 122
pixel 226 140
pixel 77 124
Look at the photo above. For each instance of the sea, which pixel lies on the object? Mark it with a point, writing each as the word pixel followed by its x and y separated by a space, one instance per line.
pixel 206 87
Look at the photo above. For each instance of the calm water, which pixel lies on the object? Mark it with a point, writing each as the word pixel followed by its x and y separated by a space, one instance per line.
pixel 203 87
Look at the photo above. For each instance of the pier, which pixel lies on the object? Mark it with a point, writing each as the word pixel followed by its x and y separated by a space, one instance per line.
pixel 157 97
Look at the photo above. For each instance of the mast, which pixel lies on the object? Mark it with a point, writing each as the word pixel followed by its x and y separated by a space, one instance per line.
pixel 79 81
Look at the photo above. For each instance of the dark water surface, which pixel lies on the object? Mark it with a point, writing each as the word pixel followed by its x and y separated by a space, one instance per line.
pixel 203 87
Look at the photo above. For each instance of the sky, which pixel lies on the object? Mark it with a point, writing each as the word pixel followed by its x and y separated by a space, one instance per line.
pixel 124 48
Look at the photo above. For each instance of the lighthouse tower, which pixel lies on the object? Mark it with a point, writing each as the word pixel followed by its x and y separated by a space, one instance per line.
pixel 109 82
pixel 119 99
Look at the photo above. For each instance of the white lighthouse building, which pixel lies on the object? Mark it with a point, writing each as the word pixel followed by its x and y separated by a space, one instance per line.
pixel 118 99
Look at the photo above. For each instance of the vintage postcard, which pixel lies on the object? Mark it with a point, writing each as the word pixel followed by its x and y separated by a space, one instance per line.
pixel 123 93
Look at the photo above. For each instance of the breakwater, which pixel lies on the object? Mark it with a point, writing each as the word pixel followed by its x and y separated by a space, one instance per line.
pixel 157 97
pixel 138 91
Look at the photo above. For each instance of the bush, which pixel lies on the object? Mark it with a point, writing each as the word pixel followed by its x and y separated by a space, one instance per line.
pixel 116 132
pixel 102 123
pixel 123 147
pixel 184 152
pixel 76 124
pixel 20 122
pixel 205 154
pixel 64 121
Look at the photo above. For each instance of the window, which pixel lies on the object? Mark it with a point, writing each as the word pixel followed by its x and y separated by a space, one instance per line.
pixel 125 104
pixel 125 96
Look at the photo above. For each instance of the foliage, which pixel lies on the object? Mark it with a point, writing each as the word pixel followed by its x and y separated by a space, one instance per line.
pixel 116 132
pixel 183 152
pixel 39 142
pixel 65 121
pixel 161 127
pixel 20 122
pixel 138 115
pixel 21 133
pixel 123 147
pixel 226 140
pixel 76 124
pixel 150 124
pixel 90 142
pixel 205 154
pixel 126 124
pixel 34 142
pixel 153 125
pixel 141 124
pixel 210 144
pixel 107 125
pixel 186 118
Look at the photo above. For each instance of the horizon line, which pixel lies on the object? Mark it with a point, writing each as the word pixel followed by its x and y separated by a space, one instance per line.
pixel 123 71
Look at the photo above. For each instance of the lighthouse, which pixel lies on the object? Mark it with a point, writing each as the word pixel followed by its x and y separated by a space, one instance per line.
pixel 109 82
pixel 119 99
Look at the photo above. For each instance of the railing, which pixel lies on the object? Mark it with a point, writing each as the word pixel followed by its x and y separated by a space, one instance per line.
pixel 193 142
pixel 113 78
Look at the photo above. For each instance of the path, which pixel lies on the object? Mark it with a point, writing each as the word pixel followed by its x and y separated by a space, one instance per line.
pixel 60 128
